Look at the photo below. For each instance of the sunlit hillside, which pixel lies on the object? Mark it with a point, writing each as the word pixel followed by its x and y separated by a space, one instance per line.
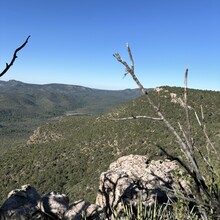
pixel 68 155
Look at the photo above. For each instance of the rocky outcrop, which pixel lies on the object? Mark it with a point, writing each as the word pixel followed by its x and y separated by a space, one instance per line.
pixel 130 180
pixel 21 204
pixel 133 179
pixel 39 137
pixel 25 203
pixel 177 100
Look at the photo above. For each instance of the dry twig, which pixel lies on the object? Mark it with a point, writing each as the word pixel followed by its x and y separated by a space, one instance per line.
pixel 137 117
pixel 13 58
pixel 203 127
pixel 188 137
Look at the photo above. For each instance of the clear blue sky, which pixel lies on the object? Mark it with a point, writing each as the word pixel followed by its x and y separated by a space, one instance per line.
pixel 72 41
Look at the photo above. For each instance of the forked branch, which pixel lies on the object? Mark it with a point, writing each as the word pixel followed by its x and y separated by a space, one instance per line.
pixel 13 58
pixel 186 144
pixel 184 147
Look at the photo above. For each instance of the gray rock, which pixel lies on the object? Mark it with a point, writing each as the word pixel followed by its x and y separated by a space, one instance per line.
pixel 82 209
pixel 54 204
pixel 132 179
pixel 21 204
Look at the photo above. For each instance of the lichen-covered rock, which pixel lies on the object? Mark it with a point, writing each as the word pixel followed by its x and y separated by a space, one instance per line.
pixel 132 179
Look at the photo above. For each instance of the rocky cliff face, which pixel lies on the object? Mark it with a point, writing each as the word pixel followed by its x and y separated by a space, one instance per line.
pixel 128 181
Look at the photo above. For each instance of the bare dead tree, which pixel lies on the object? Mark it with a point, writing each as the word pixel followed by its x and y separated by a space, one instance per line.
pixel 8 66
pixel 186 143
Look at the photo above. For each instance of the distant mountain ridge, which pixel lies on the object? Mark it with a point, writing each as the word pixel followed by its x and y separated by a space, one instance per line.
pixel 14 85
pixel 78 96
pixel 22 103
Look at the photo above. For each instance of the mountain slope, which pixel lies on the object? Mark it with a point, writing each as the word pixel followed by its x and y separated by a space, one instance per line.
pixel 84 146
pixel 25 106
pixel 58 98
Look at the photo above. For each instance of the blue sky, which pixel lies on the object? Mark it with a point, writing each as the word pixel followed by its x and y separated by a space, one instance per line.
pixel 72 41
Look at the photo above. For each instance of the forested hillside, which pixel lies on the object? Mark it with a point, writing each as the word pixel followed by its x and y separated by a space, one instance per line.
pixel 23 107
pixel 69 154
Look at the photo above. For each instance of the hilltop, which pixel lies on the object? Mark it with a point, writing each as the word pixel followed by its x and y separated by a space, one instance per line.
pixel 84 146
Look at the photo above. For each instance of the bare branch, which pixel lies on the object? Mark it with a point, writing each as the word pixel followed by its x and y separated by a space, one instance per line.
pixel 202 113
pixel 137 117
pixel 203 127
pixel 189 132
pixel 176 158
pixel 193 169
pixel 204 195
pixel 197 149
pixel 184 135
pixel 184 147
pixel 14 57
pixel 131 57
pixel 197 117
pixel 209 166
pixel 130 70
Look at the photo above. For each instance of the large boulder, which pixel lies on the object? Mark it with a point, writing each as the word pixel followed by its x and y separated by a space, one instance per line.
pixel 21 204
pixel 54 204
pixel 133 179
pixel 25 203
